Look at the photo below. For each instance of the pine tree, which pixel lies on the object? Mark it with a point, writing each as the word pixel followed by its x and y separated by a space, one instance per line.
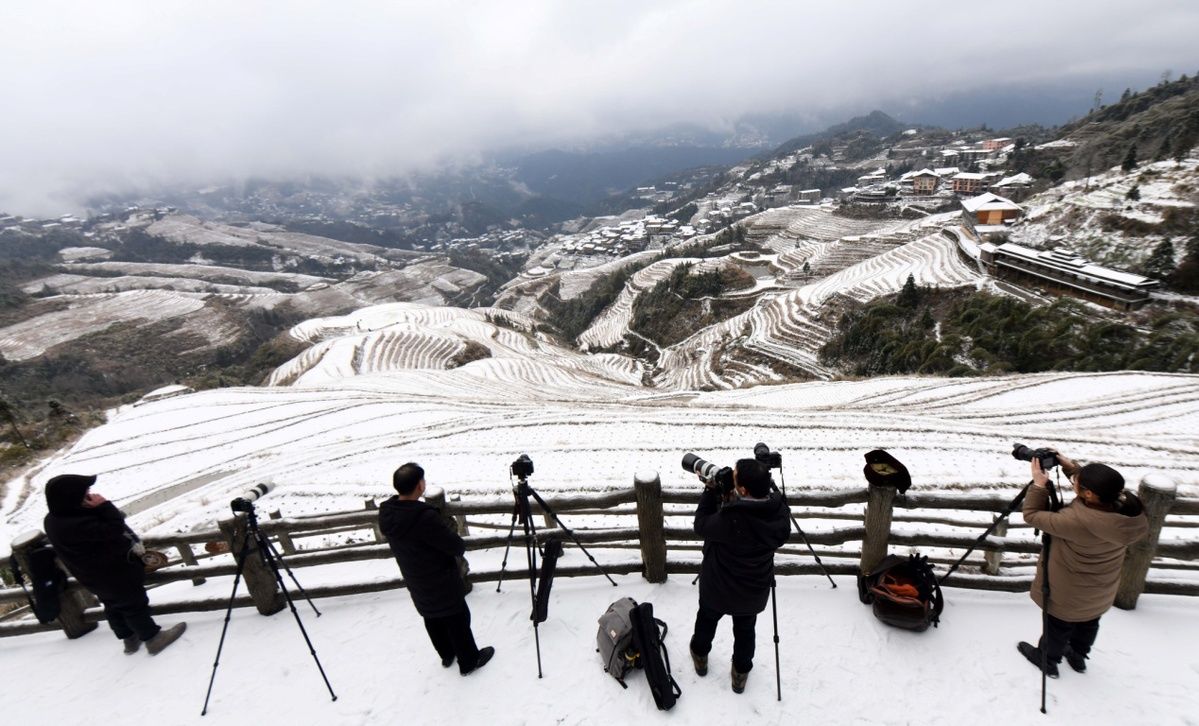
pixel 1133 193
pixel 909 296
pixel 1130 159
pixel 1160 263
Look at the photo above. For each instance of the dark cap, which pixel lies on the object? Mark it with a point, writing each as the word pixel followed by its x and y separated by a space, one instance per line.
pixel 65 492
pixel 1105 481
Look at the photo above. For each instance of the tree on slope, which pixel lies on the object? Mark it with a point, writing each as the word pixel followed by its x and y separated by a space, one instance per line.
pixel 909 296
pixel 1160 263
pixel 1130 159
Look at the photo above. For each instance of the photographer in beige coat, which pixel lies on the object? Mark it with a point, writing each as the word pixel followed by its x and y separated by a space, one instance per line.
pixel 1090 537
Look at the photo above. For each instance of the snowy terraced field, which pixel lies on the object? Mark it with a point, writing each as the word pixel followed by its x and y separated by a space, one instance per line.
pixel 71 284
pixel 331 442
pixel 787 327
pixel 90 314
pixel 212 273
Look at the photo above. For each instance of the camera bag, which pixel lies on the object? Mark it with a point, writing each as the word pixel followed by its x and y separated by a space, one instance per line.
pixel 629 637
pixel 903 592
pixel 47 580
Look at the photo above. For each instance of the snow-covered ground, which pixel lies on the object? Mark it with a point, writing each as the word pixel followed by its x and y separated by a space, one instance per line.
pixel 838 665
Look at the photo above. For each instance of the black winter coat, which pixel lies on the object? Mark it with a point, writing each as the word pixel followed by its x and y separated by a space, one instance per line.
pixel 739 543
pixel 425 548
pixel 95 545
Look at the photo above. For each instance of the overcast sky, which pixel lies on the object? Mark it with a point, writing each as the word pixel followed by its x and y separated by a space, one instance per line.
pixel 99 96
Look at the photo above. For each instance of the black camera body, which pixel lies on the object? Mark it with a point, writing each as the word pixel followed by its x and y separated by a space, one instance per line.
pixel 1047 457
pixel 245 503
pixel 770 459
pixel 714 477
pixel 522 468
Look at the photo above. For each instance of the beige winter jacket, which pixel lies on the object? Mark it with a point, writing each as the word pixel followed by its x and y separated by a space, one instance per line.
pixel 1086 552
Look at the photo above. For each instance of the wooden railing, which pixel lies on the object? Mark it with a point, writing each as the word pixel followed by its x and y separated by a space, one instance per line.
pixel 851 530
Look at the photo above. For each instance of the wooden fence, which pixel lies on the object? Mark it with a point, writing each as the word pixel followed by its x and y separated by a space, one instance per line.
pixel 854 529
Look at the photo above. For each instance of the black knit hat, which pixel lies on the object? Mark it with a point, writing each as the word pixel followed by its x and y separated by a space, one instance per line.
pixel 1105 481
pixel 65 492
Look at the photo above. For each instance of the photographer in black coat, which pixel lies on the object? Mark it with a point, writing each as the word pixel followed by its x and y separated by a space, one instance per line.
pixel 90 537
pixel 741 533
pixel 426 549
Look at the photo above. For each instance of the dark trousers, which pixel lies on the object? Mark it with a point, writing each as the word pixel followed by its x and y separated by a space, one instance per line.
pixel 743 636
pixel 452 638
pixel 129 614
pixel 1059 633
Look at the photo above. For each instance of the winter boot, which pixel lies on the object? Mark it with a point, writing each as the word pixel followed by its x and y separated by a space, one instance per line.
pixel 447 661
pixel 1033 654
pixel 165 637
pixel 739 680
pixel 484 656
pixel 1076 661
pixel 132 643
pixel 701 664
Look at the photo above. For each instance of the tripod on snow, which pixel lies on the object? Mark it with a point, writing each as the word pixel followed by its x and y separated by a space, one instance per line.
pixel 539 588
pixel 272 558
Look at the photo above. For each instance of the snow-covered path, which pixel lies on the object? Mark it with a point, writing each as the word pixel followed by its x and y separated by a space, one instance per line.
pixel 839 666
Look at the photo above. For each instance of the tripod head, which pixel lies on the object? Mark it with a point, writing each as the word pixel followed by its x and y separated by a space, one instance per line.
pixel 245 503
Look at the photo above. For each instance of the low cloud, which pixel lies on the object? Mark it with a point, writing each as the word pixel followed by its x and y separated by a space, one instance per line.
pixel 125 94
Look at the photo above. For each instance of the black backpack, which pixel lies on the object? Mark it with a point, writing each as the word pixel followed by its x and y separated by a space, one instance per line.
pixel 631 637
pixel 48 581
pixel 903 592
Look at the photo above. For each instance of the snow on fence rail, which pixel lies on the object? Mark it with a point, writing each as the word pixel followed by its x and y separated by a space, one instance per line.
pixel 657 523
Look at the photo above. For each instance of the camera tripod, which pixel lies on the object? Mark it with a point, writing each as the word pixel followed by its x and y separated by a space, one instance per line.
pixel 271 557
pixel 522 511
pixel 1055 503
pixel 799 529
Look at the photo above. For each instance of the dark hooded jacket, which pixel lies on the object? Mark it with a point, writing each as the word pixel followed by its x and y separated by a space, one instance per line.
pixel 94 543
pixel 426 549
pixel 739 543
pixel 1086 552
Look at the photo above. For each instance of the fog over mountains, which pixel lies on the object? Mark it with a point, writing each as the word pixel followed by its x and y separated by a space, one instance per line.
pixel 119 97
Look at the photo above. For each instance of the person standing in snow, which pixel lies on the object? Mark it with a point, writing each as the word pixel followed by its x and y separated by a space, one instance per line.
pixel 90 537
pixel 1089 539
pixel 740 537
pixel 426 549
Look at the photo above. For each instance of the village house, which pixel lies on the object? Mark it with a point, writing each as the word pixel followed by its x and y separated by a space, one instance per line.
pixel 809 196
pixel 924 181
pixel 969 183
pixel 989 214
pixel 1062 271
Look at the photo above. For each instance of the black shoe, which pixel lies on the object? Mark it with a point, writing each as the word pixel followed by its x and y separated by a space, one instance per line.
pixel 484 656
pixel 447 661
pixel 739 680
pixel 701 664
pixel 1033 654
pixel 1076 661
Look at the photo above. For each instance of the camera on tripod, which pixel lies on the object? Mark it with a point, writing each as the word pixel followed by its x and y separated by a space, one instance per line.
pixel 714 477
pixel 771 459
pixel 522 468
pixel 1047 457
pixel 245 503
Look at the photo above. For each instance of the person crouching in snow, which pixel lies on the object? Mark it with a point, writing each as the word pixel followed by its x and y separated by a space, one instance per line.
pixel 1086 553
pixel 90 537
pixel 427 550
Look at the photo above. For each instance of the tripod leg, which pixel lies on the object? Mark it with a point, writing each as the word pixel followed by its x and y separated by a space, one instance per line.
pixel 241 566
pixel 799 530
pixel 279 558
pixel 1011 507
pixel 531 557
pixel 507 546
pixel 274 565
pixel 1044 618
pixel 774 607
pixel 570 533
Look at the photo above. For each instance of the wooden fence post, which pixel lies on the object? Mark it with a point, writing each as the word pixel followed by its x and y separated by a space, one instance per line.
pixel 289 547
pixel 878 526
pixel 372 505
pixel 72 601
pixel 260 580
pixel 189 559
pixel 460 518
pixel 993 560
pixel 435 497
pixel 1157 491
pixel 650 525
